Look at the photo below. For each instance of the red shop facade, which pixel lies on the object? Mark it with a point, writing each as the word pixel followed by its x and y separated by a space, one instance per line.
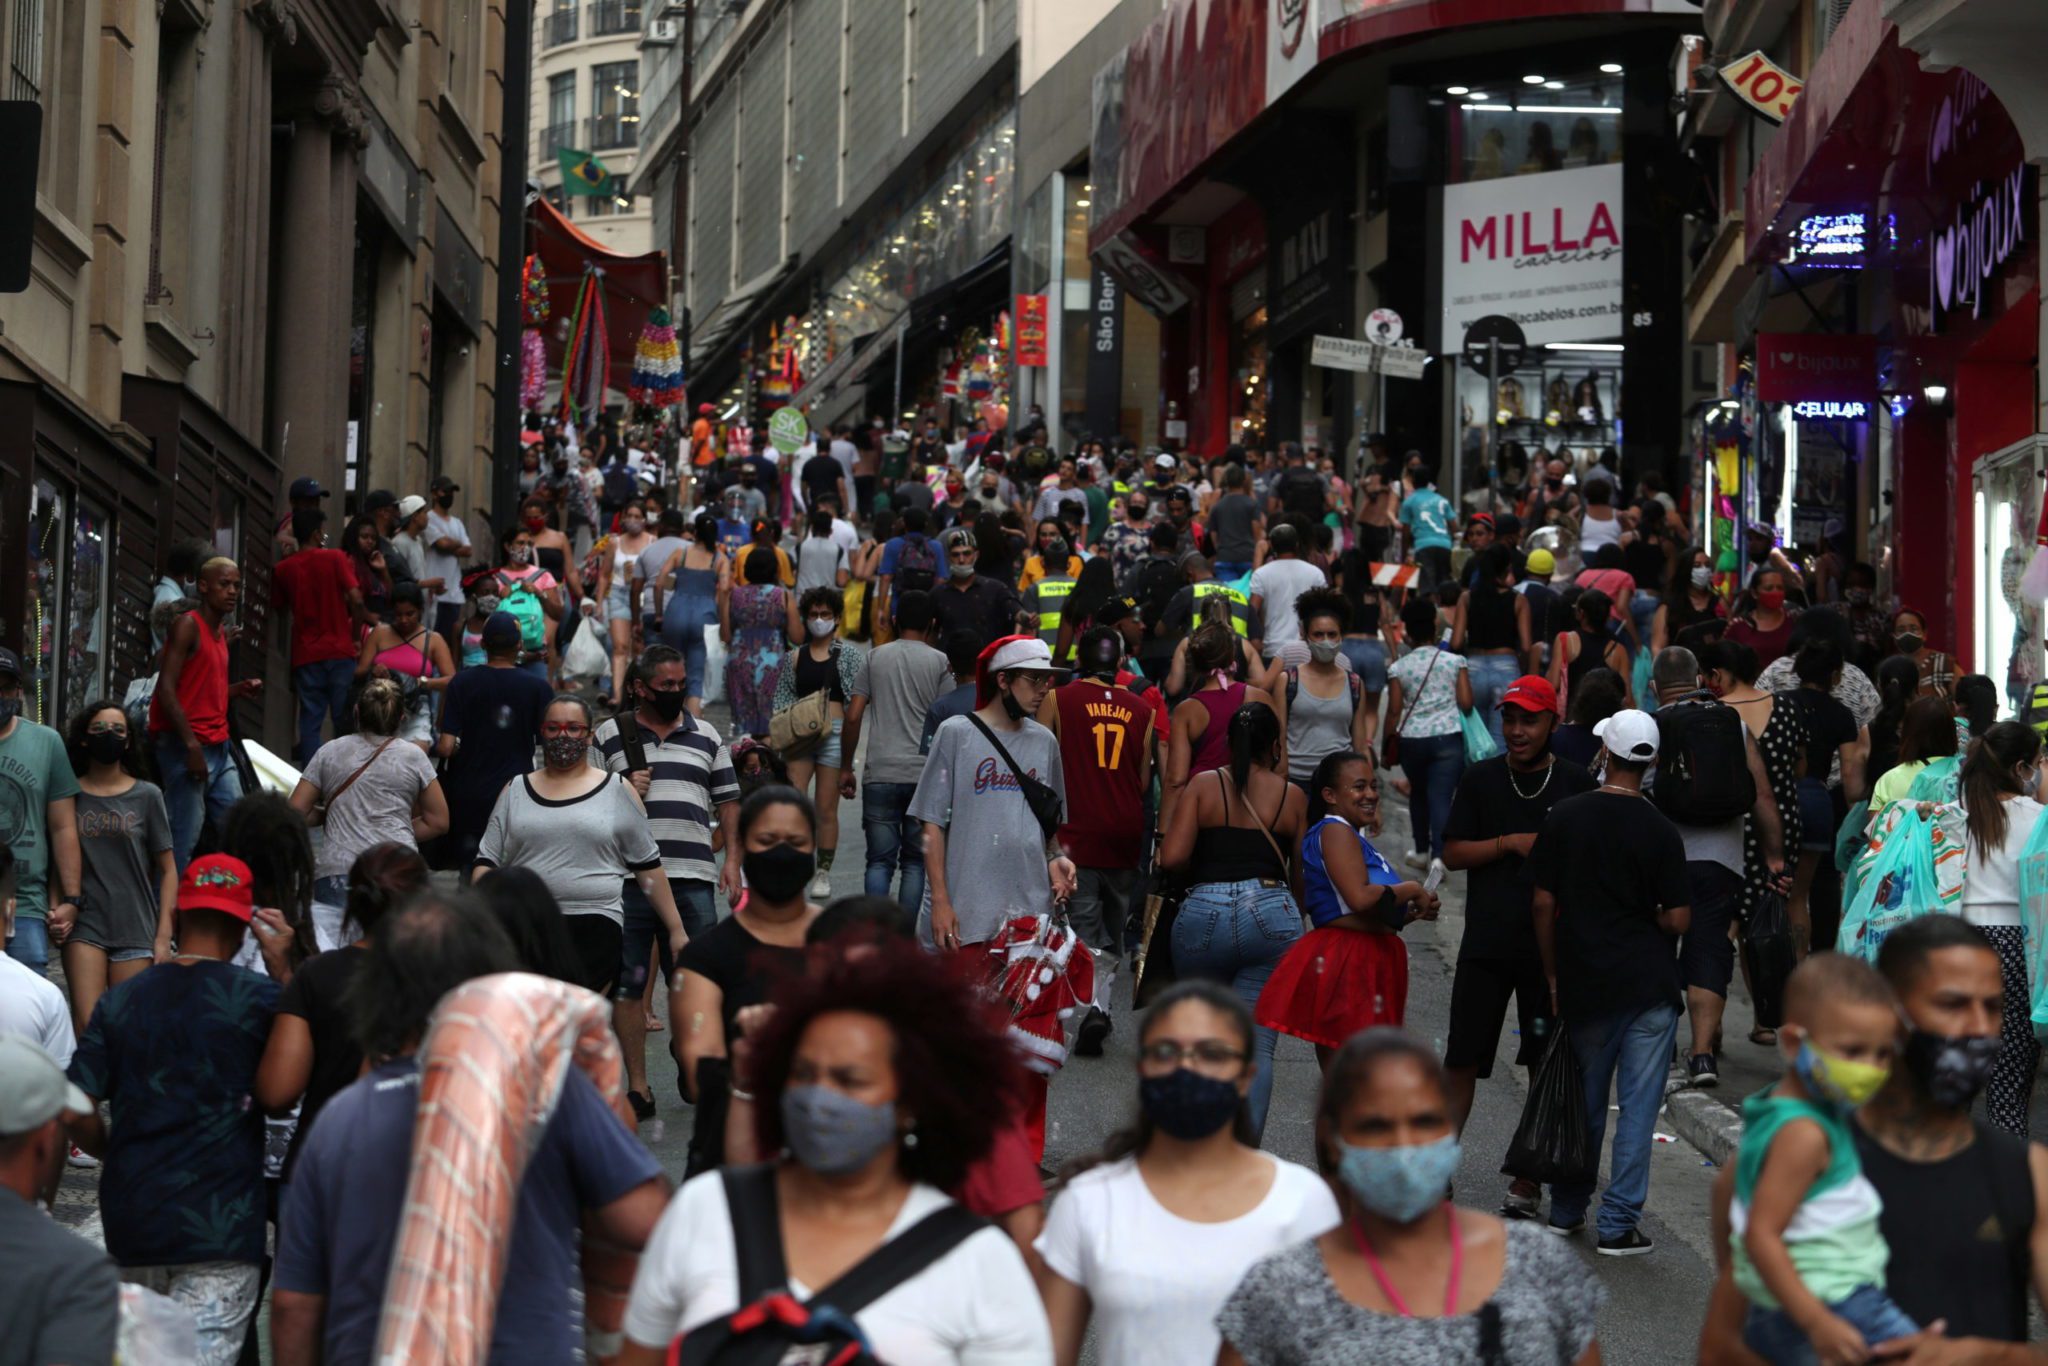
pixel 1948 283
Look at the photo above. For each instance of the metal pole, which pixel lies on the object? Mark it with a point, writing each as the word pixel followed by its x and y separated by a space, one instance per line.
pixel 1493 410
pixel 896 413
pixel 503 489
pixel 679 228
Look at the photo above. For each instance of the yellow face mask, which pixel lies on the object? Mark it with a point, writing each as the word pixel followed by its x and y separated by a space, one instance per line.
pixel 1837 1079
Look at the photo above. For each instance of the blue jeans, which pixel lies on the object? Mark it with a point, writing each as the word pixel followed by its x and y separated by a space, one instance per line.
pixel 1433 763
pixel 682 625
pixel 29 945
pixel 695 905
pixel 188 800
pixel 1230 571
pixel 322 687
pixel 1630 1053
pixel 1492 676
pixel 1642 609
pixel 1368 660
pixel 1772 1334
pixel 1234 933
pixel 895 840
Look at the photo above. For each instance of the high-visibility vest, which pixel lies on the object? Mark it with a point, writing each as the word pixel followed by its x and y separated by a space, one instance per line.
pixel 1240 605
pixel 1052 600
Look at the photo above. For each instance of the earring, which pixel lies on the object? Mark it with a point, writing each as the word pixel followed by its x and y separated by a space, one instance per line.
pixel 910 1138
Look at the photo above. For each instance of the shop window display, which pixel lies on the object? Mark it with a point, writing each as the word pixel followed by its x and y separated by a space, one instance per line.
pixel 1558 125
pixel 42 624
pixel 85 602
pixel 1566 407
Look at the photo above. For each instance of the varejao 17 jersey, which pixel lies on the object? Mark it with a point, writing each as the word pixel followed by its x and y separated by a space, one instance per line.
pixel 1103 731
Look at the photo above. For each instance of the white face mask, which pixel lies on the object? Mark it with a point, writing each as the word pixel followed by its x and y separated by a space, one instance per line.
pixel 822 626
pixel 1702 577
pixel 1323 651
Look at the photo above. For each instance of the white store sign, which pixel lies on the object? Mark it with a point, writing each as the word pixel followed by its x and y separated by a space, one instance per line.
pixel 1544 250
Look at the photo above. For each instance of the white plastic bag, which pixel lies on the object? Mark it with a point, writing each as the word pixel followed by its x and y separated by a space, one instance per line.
pixel 154 1328
pixel 586 656
pixel 714 666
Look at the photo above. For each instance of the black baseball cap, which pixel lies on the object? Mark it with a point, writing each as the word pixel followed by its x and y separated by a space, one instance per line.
pixel 443 484
pixel 10 663
pixel 307 488
pixel 379 498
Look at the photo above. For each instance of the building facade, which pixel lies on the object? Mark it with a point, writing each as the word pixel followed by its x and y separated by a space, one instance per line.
pixel 586 97
pixel 264 239
pixel 850 201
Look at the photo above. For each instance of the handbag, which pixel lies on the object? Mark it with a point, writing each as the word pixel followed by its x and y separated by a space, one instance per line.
pixel 1045 803
pixel 800 727
pixel 318 815
pixel 1390 745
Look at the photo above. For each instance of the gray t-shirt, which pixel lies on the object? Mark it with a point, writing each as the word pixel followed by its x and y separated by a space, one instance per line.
pixel 445 565
pixel 995 852
pixel 1230 527
pixel 376 808
pixel 901 680
pixel 583 847
pixel 652 561
pixel 818 562
pixel 60 1297
pixel 119 841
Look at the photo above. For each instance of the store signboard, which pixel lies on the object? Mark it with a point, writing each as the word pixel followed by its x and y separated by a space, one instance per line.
pixel 1763 85
pixel 1293 26
pixel 1031 329
pixel 1544 250
pixel 1150 281
pixel 1105 370
pixel 1984 233
pixel 1802 367
pixel 1308 275
pixel 1364 357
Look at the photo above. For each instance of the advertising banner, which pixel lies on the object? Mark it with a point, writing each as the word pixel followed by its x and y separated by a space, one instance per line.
pixel 1544 250
pixel 1031 338
pixel 1812 367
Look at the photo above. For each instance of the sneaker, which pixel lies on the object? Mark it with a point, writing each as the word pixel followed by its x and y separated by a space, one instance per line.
pixel 78 1157
pixel 1416 858
pixel 821 886
pixel 1094 1029
pixel 1699 1070
pixel 649 1125
pixel 1523 1201
pixel 1577 1225
pixel 1629 1244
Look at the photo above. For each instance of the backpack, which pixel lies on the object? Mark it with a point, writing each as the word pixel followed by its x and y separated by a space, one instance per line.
pixel 771 1327
pixel 524 605
pixel 1294 688
pixel 917 566
pixel 1703 775
pixel 620 487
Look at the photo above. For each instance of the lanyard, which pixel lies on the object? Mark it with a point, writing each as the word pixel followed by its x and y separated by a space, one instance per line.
pixel 1379 1272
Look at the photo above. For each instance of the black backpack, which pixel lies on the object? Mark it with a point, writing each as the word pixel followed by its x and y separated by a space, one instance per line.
pixel 1703 775
pixel 771 1327
pixel 917 564
pixel 620 487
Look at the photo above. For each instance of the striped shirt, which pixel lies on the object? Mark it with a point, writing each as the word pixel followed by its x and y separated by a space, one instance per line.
pixel 691 778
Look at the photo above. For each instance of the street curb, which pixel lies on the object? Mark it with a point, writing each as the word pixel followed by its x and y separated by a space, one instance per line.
pixel 1708 1124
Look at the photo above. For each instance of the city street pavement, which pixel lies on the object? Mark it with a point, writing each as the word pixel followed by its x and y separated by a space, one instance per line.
pixel 1655 1303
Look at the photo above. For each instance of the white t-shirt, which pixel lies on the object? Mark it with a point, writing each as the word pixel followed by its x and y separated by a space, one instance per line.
pixel 1277 583
pixel 1991 893
pixel 844 536
pixel 1156 1280
pixel 32 1007
pixel 440 565
pixel 975 1306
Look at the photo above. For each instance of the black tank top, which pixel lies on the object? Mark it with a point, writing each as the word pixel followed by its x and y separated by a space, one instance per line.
pixel 1233 853
pixel 1958 1231
pixel 1361 594
pixel 1592 655
pixel 1490 620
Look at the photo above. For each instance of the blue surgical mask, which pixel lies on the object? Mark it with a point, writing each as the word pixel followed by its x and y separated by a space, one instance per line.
pixel 833 1134
pixel 1404 1183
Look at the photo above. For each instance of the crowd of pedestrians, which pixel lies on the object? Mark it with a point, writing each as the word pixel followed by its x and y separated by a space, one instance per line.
pixel 1119 726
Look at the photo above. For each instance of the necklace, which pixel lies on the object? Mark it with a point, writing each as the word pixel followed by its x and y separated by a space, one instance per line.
pixel 194 958
pixel 1624 791
pixel 1379 1273
pixel 1548 769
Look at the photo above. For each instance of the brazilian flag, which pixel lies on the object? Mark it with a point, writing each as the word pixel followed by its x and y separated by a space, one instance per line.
pixel 583 173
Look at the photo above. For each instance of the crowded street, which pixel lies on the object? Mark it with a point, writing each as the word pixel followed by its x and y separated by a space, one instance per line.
pixel 1023 683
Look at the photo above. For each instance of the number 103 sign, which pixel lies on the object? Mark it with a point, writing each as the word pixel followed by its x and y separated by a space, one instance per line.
pixel 1763 85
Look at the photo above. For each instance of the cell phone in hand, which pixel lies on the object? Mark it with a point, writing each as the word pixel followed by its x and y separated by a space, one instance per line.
pixel 1435 878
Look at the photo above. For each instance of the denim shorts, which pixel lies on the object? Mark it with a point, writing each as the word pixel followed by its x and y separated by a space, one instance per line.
pixel 1816 815
pixel 1368 660
pixel 828 754
pixel 618 604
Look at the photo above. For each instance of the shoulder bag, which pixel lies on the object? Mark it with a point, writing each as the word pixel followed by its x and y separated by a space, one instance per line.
pixel 800 727
pixel 1045 803
pixel 318 815
pixel 1390 745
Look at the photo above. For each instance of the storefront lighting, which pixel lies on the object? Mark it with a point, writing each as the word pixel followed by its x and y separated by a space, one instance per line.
pixel 1553 85
pixel 1582 346
pixel 1855 410
pixel 1082 203
pixel 1532 80
pixel 1937 394
pixel 1611 68
pixel 1899 404
pixel 1457 90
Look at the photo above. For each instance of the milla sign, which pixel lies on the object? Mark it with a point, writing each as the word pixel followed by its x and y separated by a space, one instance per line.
pixel 1543 250
pixel 1965 253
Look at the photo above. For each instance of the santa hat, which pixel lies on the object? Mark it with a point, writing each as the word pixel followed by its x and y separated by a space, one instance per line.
pixel 1004 653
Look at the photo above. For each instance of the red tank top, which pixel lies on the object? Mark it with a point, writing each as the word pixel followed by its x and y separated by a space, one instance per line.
pixel 1212 746
pixel 202 689
pixel 1102 737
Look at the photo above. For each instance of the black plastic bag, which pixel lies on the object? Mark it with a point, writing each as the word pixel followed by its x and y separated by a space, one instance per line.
pixel 1551 1144
pixel 1768 950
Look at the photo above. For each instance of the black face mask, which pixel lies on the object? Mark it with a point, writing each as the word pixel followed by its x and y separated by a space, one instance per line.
pixel 1013 707
pixel 778 872
pixel 667 705
pixel 1950 1071
pixel 106 747
pixel 445 499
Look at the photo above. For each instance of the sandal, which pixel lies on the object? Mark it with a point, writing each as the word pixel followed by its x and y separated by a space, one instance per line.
pixel 1763 1036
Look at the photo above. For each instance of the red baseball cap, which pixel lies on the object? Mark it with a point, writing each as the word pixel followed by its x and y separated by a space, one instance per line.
pixel 218 882
pixel 1531 693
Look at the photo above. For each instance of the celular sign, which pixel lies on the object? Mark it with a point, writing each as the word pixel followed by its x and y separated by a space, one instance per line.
pixel 1846 412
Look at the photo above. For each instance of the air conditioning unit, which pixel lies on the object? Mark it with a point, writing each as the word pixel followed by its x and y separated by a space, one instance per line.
pixel 660 33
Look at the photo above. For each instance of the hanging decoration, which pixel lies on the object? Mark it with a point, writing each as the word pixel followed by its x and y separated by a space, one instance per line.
pixel 784 373
pixel 536 286
pixel 589 356
pixel 657 364
pixel 533 351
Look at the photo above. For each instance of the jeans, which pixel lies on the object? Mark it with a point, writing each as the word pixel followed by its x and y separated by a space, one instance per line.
pixel 322 687
pixel 1433 764
pixel 1772 1334
pixel 1642 609
pixel 1101 913
pixel 29 945
pixel 1230 571
pixel 1435 563
pixel 1630 1053
pixel 1491 676
pixel 895 840
pixel 188 800
pixel 1368 660
pixel 1235 933
pixel 221 1297
pixel 695 905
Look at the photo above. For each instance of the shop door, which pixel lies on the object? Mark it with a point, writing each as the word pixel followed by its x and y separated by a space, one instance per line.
pixel 2007 630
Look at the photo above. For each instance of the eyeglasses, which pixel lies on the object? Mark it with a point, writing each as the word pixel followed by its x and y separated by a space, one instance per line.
pixel 1204 1055
pixel 106 728
pixel 557 728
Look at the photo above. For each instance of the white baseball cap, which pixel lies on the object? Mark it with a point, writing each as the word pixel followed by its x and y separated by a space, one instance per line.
pixel 1630 735
pixel 1023 652
pixel 408 505
pixel 33 1088
pixel 1164 461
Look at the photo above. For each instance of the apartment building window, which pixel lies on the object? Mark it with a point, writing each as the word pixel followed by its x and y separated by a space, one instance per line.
pixel 559 27
pixel 614 16
pixel 614 105
pixel 25 50
pixel 170 204
pixel 465 45
pixel 560 131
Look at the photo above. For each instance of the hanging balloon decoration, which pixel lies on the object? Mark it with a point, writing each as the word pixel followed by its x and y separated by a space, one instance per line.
pixel 589 357
pixel 657 364
pixel 533 353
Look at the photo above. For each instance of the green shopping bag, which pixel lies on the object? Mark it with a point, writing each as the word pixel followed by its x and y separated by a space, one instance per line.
pixel 1898 884
pixel 1478 739
pixel 1940 781
pixel 2033 887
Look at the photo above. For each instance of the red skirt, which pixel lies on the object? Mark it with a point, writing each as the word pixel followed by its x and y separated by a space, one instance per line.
pixel 1336 982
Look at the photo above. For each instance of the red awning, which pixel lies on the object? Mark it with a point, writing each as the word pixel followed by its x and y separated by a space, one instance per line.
pixel 634 286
